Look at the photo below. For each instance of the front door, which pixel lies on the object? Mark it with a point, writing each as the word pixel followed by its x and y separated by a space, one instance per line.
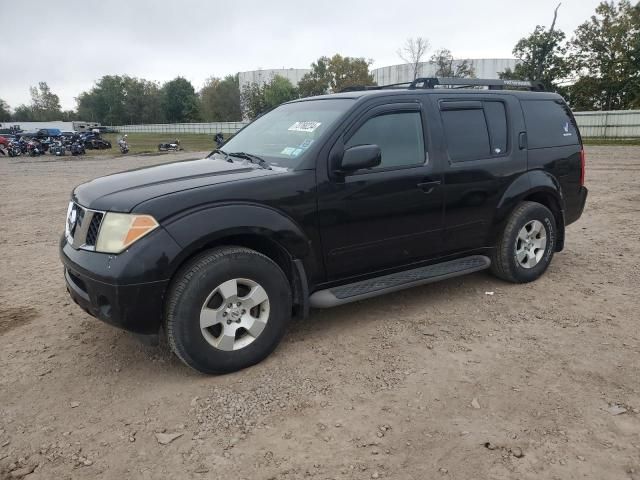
pixel 386 216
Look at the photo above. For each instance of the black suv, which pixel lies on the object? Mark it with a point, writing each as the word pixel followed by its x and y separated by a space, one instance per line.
pixel 324 201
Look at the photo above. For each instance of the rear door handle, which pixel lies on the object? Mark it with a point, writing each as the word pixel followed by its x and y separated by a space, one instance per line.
pixel 522 140
pixel 428 187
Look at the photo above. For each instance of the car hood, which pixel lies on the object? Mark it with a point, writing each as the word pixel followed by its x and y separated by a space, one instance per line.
pixel 121 192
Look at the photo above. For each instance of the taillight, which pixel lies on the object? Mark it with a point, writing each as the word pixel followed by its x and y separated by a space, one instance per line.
pixel 582 160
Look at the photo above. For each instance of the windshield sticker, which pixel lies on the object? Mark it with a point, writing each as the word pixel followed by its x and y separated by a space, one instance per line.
pixel 306 144
pixel 296 152
pixel 304 126
pixel 287 151
pixel 566 130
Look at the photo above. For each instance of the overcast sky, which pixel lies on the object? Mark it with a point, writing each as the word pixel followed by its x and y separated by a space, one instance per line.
pixel 70 44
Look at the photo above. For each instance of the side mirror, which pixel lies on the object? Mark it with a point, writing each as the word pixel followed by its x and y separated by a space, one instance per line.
pixel 359 157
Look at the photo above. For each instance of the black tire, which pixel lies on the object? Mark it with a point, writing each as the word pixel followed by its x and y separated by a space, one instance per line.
pixel 194 283
pixel 504 262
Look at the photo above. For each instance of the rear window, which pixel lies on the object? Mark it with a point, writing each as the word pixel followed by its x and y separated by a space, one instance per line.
pixel 474 130
pixel 549 124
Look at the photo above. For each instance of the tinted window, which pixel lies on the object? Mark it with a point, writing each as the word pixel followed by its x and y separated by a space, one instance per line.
pixel 548 124
pixel 466 134
pixel 399 136
pixel 497 122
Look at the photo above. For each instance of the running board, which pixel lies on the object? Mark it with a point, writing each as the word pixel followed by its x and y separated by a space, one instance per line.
pixel 373 287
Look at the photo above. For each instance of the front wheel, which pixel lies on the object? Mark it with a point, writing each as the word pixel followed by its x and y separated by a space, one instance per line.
pixel 526 246
pixel 227 309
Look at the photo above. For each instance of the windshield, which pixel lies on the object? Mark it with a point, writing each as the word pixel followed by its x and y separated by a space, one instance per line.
pixel 284 135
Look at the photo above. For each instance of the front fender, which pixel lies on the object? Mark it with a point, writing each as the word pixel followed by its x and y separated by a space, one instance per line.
pixel 195 230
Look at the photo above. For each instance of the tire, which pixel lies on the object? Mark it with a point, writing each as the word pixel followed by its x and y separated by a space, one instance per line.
pixel 526 245
pixel 195 291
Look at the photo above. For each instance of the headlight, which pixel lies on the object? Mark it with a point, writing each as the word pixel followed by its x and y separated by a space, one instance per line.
pixel 119 230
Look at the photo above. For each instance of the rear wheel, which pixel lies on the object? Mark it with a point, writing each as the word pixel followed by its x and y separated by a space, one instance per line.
pixel 227 309
pixel 526 246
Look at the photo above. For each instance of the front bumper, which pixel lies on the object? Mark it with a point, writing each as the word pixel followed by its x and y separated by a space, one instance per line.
pixel 125 290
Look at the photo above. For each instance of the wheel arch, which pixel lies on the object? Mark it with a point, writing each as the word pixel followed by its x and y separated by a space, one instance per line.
pixel 262 229
pixel 534 186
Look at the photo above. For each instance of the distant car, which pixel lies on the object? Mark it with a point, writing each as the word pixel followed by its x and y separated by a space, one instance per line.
pixel 102 129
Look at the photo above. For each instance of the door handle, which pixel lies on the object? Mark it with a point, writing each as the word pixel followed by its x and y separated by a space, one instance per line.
pixel 522 140
pixel 428 187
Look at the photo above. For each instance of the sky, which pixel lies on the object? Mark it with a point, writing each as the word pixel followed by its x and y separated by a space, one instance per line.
pixel 75 43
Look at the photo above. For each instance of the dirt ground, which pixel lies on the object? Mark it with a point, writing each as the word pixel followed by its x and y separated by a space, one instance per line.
pixel 441 381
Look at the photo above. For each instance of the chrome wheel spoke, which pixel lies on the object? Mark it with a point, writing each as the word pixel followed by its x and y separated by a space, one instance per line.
pixel 209 317
pixel 228 289
pixel 226 339
pixel 256 296
pixel 253 325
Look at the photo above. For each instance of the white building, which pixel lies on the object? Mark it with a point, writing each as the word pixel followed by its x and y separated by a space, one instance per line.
pixel 483 67
pixel 294 75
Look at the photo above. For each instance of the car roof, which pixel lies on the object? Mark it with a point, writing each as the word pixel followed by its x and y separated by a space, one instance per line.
pixel 360 94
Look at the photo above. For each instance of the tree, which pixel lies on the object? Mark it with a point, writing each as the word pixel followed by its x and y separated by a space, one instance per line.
pixel 5 111
pixel 22 113
pixel 220 100
pixel 335 74
pixel 541 57
pixel 45 105
pixel 413 51
pixel 606 59
pixel 446 66
pixel 257 99
pixel 179 101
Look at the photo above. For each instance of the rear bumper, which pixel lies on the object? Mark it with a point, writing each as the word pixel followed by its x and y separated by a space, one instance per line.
pixel 574 211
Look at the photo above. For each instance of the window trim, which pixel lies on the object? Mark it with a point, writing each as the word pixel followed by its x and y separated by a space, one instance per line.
pixel 387 109
pixel 449 104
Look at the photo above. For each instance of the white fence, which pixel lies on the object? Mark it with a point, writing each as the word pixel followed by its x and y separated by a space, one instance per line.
pixel 609 124
pixel 226 128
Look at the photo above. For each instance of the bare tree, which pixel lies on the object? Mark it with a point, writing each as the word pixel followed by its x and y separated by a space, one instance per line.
pixel 547 46
pixel 413 51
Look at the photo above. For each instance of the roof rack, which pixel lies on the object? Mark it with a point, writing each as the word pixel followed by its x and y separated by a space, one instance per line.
pixel 454 82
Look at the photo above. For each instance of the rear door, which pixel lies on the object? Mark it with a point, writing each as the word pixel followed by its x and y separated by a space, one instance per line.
pixel 482 151
pixel 386 216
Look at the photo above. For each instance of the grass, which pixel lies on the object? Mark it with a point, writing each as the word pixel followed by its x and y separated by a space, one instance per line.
pixel 148 142
pixel 611 141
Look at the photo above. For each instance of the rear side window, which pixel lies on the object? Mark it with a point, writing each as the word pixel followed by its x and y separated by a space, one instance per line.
pixel 549 124
pixel 475 132
pixel 399 136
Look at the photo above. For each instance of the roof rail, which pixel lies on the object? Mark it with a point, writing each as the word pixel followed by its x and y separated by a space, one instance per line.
pixel 455 82
pixel 492 83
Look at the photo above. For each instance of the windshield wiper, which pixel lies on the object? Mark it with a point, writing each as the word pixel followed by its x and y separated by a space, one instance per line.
pixel 221 152
pixel 252 158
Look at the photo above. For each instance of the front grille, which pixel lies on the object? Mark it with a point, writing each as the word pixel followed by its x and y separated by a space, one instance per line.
pixel 83 226
pixel 94 228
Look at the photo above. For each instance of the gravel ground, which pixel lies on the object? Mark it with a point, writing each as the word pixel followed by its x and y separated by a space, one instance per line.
pixel 441 381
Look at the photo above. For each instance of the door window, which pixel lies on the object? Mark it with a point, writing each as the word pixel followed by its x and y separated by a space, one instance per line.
pixel 399 136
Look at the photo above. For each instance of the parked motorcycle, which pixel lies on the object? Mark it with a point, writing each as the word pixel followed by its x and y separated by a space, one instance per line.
pixel 57 148
pixel 124 146
pixel 170 146
pixel 34 148
pixel 77 148
pixel 14 149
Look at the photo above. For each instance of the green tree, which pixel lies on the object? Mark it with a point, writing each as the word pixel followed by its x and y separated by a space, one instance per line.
pixel 257 99
pixel 335 74
pixel 119 100
pixel 179 101
pixel 45 105
pixel 541 57
pixel 22 113
pixel 5 111
pixel 446 66
pixel 220 100
pixel 605 54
